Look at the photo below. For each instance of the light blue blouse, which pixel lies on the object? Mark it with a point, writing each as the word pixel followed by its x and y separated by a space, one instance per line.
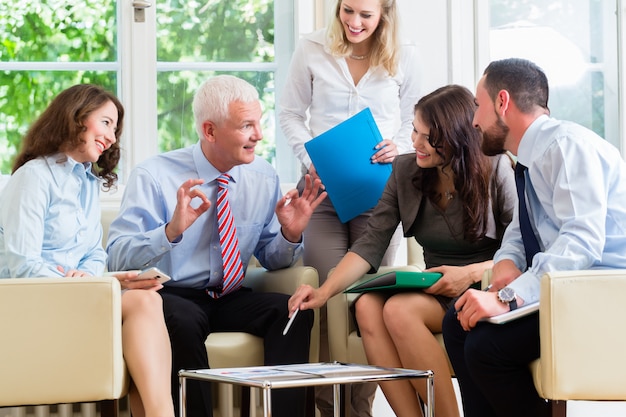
pixel 50 217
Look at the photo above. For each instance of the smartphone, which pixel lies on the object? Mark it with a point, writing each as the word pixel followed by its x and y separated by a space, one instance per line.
pixel 153 272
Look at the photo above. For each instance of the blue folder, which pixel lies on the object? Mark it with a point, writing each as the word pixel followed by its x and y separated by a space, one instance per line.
pixel 342 158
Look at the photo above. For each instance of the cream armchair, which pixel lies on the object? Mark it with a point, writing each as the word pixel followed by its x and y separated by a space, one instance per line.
pixel 61 342
pixel 583 341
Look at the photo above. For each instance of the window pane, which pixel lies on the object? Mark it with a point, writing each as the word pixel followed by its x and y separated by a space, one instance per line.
pixel 575 42
pixel 58 31
pixel 25 94
pixel 175 113
pixel 217 37
pixel 215 31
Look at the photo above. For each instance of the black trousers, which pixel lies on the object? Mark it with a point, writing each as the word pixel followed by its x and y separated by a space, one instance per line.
pixel 491 364
pixel 191 315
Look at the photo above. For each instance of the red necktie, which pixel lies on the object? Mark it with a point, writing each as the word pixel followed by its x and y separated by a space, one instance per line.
pixel 233 269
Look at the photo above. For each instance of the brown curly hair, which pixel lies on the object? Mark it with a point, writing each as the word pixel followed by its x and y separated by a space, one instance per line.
pixel 61 124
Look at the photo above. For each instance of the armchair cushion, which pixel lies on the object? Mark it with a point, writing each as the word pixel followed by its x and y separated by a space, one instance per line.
pixel 582 334
pixel 61 341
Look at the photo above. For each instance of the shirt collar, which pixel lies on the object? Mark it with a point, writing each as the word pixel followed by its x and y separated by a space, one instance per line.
pixel 63 167
pixel 528 145
pixel 206 170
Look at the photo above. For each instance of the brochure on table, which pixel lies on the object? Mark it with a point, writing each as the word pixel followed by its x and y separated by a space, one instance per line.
pixel 298 371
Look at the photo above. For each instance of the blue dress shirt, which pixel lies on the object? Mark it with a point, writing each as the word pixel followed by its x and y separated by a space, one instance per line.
pixel 576 198
pixel 49 217
pixel 137 236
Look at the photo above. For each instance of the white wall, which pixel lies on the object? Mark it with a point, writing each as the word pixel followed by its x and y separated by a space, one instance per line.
pixel 445 37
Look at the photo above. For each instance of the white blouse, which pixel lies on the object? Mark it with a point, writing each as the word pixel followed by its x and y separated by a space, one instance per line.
pixel 320 93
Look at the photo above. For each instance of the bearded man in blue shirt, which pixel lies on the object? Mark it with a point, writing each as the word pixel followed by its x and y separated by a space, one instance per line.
pixel 175 228
pixel 571 216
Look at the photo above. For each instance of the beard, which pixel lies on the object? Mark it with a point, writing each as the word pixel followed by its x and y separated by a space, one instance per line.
pixel 494 138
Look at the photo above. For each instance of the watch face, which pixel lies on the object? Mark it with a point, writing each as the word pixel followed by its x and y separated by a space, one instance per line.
pixel 506 295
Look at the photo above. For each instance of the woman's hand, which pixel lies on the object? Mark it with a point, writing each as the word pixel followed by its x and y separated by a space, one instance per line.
pixel 387 151
pixel 128 280
pixel 72 273
pixel 306 297
pixel 454 282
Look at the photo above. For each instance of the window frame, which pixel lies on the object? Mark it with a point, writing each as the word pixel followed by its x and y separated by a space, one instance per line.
pixel 139 81
pixel 614 121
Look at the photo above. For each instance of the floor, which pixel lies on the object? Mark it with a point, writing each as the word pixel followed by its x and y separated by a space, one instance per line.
pixel 574 408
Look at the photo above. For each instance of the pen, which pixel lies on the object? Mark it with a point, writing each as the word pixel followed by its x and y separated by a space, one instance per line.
pixel 293 316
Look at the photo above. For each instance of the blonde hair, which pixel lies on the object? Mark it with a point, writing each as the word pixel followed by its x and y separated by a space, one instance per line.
pixel 385 46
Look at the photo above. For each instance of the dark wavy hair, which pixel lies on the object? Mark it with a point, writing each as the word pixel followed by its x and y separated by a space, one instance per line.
pixel 449 111
pixel 61 124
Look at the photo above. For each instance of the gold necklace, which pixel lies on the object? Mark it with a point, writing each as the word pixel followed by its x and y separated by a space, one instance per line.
pixel 359 57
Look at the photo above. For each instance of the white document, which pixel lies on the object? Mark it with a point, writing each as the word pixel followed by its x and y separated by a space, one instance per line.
pixel 515 314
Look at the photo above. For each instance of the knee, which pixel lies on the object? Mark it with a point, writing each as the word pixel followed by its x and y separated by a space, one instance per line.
pixel 142 302
pixel 187 325
pixel 365 308
pixel 395 317
pixel 478 348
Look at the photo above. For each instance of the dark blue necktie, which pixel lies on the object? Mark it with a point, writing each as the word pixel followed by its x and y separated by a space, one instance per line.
pixel 531 246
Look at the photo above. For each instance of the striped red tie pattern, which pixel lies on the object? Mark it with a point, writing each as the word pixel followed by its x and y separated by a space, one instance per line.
pixel 233 269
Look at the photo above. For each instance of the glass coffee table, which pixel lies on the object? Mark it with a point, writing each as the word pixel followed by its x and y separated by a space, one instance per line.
pixel 336 374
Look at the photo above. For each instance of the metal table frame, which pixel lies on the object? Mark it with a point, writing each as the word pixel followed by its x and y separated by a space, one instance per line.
pixel 360 375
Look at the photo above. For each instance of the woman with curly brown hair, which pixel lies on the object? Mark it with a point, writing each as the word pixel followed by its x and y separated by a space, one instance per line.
pixel 50 226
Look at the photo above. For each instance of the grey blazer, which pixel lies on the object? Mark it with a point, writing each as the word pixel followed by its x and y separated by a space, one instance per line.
pixel 401 201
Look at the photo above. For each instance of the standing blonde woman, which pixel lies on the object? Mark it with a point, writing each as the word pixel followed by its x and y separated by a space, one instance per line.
pixel 357 62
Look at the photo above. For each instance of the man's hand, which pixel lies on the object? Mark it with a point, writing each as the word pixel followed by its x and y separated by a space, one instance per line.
pixel 294 210
pixel 184 213
pixel 503 273
pixel 474 305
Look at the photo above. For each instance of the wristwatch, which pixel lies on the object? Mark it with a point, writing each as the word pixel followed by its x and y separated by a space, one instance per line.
pixel 507 296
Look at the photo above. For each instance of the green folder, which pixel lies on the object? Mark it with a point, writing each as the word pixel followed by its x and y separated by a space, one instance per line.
pixel 397 280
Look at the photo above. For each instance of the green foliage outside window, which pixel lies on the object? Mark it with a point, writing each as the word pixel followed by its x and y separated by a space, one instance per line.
pixel 43 31
pixel 214 31
pixel 187 31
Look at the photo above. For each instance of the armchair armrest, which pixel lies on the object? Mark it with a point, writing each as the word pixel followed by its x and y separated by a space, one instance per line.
pixel 286 281
pixel 61 341
pixel 582 339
